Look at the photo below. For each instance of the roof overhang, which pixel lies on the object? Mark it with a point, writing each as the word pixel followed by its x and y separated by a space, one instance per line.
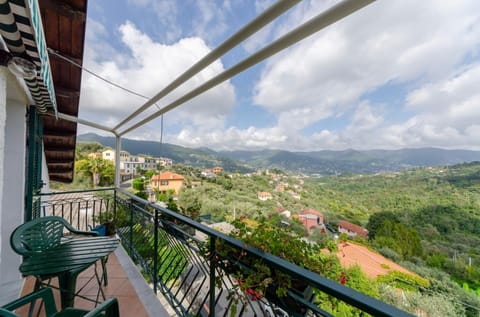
pixel 64 26
pixel 29 28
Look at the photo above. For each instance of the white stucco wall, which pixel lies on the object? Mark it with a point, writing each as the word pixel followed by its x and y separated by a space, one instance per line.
pixel 12 204
pixel 3 117
pixel 12 178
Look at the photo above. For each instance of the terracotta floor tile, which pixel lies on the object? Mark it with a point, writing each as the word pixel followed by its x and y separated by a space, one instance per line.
pixel 119 286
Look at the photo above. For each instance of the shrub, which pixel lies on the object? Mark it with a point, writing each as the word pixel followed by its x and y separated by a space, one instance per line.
pixel 389 253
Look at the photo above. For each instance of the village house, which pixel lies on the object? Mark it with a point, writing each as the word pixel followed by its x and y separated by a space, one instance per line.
pixel 264 196
pixel 294 194
pixel 280 188
pixel 167 181
pixel 352 230
pixel 130 164
pixel 217 169
pixel 207 173
pixel 284 212
pixel 194 184
pixel 311 218
pixel 163 161
pixel 109 155
pixel 93 156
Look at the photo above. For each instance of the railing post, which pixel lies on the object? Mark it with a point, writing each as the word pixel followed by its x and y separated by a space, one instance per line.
pixel 131 227
pixel 212 275
pixel 155 250
pixel 114 204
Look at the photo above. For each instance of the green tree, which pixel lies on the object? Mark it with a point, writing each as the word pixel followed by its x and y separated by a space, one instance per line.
pixel 190 203
pixel 84 148
pixel 142 194
pixel 172 205
pixel 398 237
pixel 138 184
pixel 97 169
pixel 375 222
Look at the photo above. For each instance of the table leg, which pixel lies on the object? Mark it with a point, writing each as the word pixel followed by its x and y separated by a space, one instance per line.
pixel 67 283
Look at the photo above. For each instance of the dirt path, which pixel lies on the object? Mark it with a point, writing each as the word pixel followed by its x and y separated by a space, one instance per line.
pixel 371 263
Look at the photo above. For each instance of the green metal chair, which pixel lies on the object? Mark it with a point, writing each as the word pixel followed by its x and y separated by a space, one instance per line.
pixel 108 308
pixel 41 234
pixel 45 233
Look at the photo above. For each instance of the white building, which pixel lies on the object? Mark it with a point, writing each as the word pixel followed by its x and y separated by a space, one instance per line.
pixel 163 161
pixel 129 164
pixel 108 155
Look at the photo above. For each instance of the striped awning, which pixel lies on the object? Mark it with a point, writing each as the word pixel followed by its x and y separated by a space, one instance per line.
pixel 22 31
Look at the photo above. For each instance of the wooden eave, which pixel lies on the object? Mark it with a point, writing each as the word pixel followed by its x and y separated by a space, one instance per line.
pixel 64 28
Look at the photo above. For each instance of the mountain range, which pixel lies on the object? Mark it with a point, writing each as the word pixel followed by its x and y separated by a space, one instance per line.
pixel 324 162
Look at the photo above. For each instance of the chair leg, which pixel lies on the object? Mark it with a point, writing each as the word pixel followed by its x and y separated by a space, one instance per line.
pixel 36 287
pixel 100 279
pixel 104 268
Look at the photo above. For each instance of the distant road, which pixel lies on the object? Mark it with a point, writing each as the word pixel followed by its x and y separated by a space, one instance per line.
pixel 126 184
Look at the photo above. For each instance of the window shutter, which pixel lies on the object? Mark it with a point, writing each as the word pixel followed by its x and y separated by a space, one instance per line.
pixel 34 164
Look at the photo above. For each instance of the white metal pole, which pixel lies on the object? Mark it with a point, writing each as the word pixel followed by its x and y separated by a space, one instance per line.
pixel 322 20
pixel 256 24
pixel 118 148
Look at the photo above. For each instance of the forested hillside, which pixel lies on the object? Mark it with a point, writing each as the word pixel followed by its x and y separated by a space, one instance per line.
pixel 428 219
pixel 312 163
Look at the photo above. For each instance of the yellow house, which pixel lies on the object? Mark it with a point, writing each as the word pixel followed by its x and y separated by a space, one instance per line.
pixel 167 181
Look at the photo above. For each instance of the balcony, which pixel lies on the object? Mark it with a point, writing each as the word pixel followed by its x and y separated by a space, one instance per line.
pixel 186 265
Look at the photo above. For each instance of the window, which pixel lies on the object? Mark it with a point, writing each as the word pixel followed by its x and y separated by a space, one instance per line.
pixel 164 183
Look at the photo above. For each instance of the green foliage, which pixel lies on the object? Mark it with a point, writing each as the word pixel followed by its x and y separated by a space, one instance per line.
pixel 101 171
pixel 404 281
pixel 190 203
pixel 283 243
pixel 82 149
pixel 142 194
pixel 172 205
pixel 430 304
pixel 171 260
pixel 442 285
pixel 148 174
pixel 352 277
pixel 138 184
pixel 398 237
pixel 376 221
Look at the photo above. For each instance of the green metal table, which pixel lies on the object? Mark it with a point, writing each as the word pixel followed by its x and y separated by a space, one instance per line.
pixel 67 260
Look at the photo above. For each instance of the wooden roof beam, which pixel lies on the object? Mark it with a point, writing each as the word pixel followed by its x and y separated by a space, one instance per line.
pixel 59 133
pixel 58 148
pixel 59 170
pixel 60 161
pixel 66 57
pixel 66 92
pixel 64 9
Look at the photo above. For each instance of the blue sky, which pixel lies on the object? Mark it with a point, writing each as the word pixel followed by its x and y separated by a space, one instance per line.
pixel 397 74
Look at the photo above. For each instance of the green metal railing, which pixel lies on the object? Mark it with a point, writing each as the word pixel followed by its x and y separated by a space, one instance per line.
pixel 83 209
pixel 186 262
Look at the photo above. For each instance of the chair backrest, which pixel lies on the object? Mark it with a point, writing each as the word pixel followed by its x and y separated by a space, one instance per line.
pixel 37 235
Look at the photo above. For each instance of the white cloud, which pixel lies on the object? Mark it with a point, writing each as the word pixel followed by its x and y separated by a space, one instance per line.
pixel 447 115
pixel 231 138
pixel 387 42
pixel 146 67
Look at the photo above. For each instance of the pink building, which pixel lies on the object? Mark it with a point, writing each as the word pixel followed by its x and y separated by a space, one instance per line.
pixel 310 218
